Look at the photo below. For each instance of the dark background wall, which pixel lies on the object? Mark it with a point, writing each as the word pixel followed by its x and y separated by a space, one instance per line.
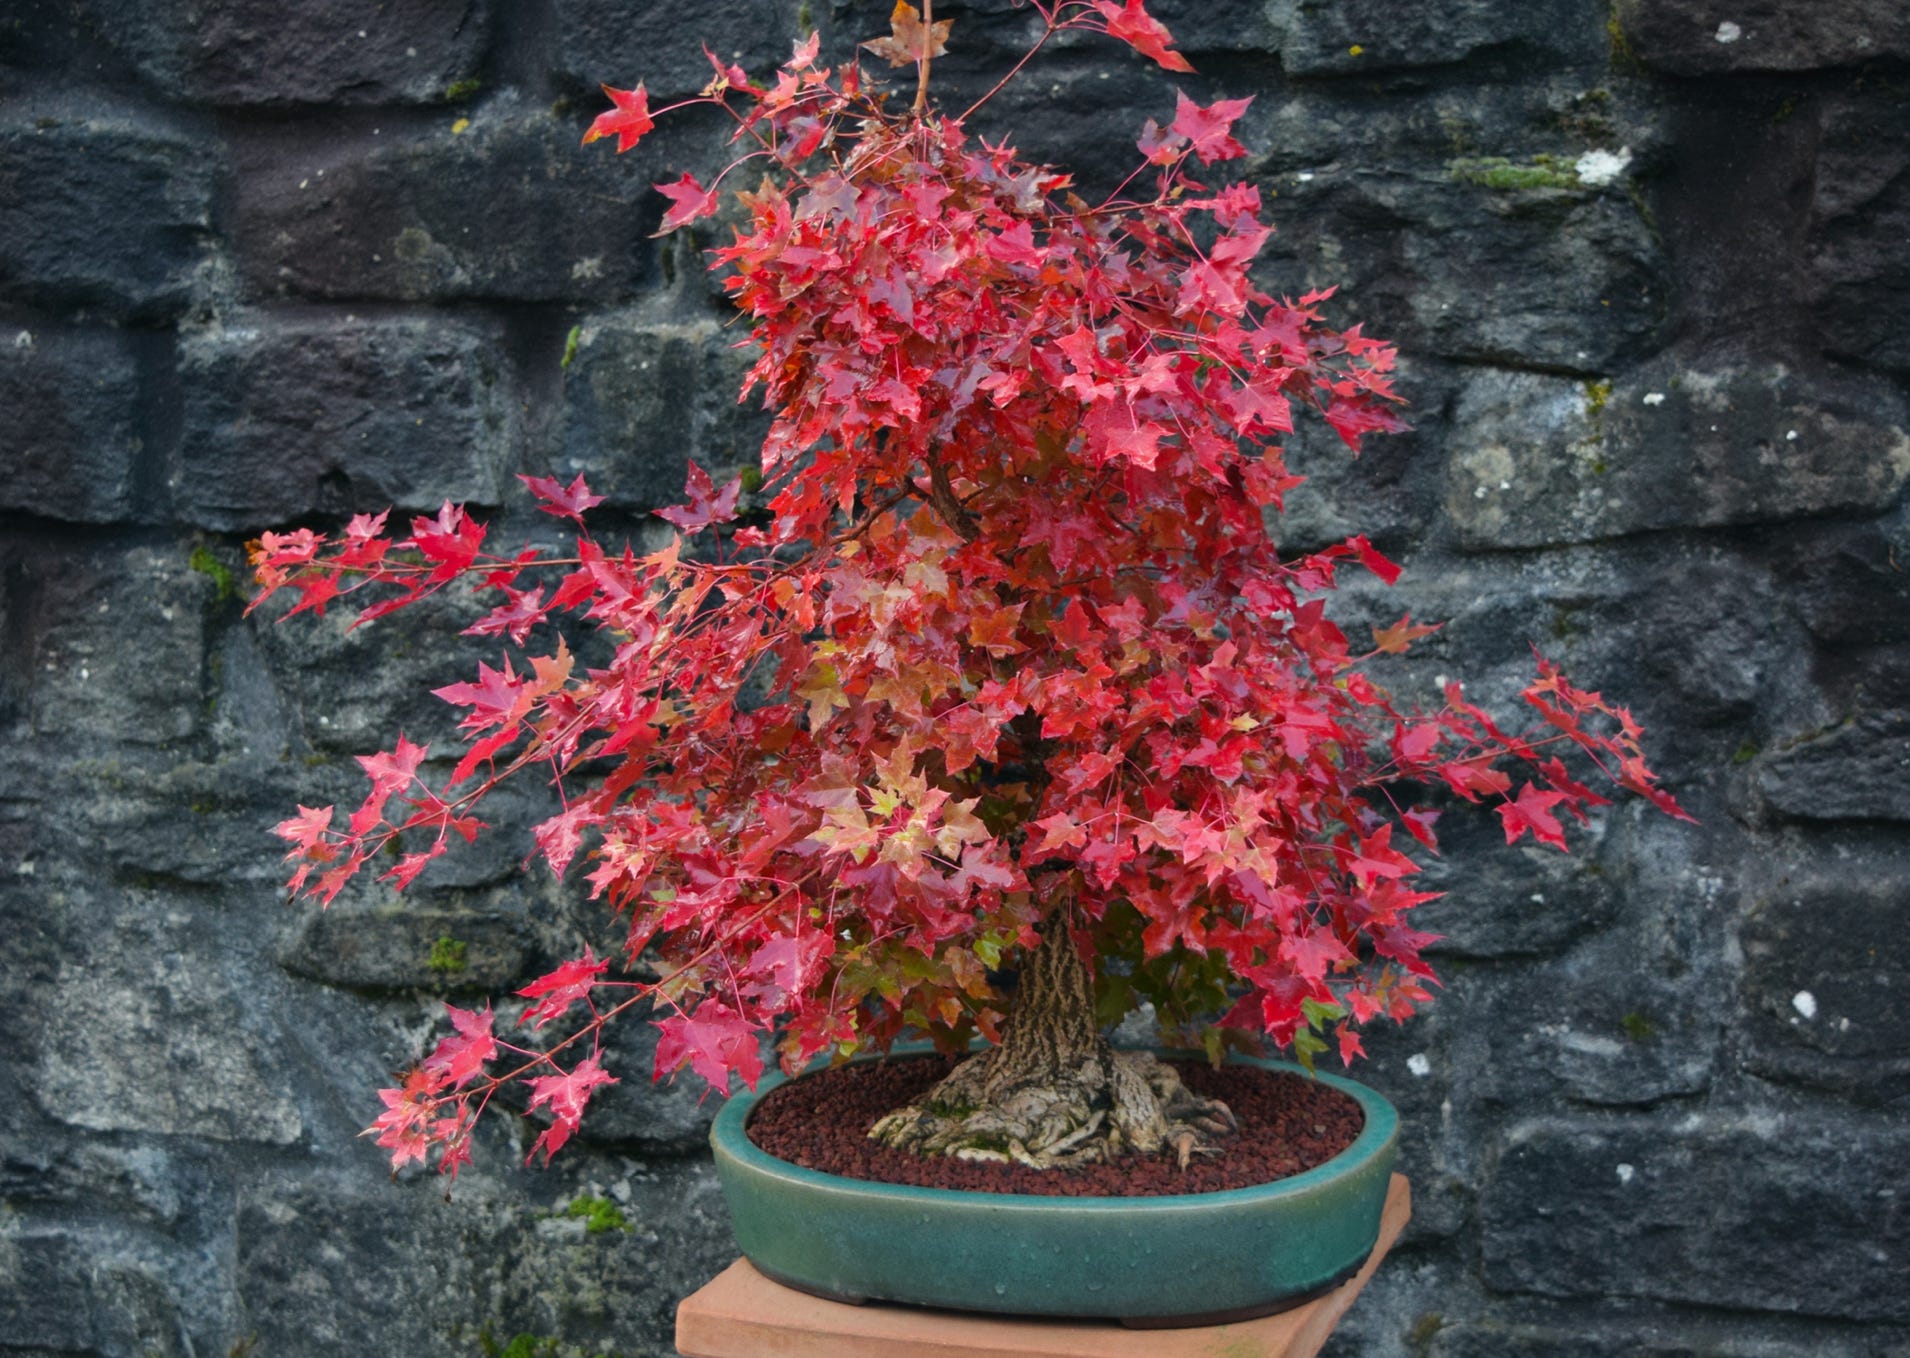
pixel 267 263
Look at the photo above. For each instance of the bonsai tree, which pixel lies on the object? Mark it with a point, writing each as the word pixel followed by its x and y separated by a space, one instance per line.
pixel 1011 678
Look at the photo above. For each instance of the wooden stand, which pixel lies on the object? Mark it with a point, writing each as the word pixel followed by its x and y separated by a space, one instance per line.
pixel 741 1314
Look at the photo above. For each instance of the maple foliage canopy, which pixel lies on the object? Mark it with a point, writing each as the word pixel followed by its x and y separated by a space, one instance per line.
pixel 1014 637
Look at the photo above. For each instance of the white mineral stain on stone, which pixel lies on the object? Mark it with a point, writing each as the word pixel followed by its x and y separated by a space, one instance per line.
pixel 1654 398
pixel 1805 1003
pixel 1418 1064
pixel 1625 1173
pixel 1791 437
pixel 1729 32
pixel 1596 169
pixel 1590 1044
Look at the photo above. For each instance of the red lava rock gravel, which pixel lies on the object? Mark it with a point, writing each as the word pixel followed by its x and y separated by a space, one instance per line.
pixel 1288 1124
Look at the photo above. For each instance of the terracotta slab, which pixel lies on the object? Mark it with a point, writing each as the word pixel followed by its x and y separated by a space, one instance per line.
pixel 741 1314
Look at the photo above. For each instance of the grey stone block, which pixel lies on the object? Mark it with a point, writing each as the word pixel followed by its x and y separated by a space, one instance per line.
pixel 118 652
pixel 1728 37
pixel 1824 957
pixel 1640 1036
pixel 157 816
pixel 1504 902
pixel 1859 771
pixel 1576 285
pixel 508 207
pixel 1753 1210
pixel 331 414
pixel 410 946
pixel 1349 37
pixel 76 1291
pixel 331 52
pixel 140 1032
pixel 660 43
pixel 68 433
pixel 411 1274
pixel 108 211
pixel 140 1183
pixel 350 692
pixel 1502 258
pixel 645 396
pixel 1643 1337
pixel 1538 460
pixel 1858 284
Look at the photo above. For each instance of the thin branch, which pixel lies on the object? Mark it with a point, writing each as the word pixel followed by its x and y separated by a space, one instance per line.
pixel 921 67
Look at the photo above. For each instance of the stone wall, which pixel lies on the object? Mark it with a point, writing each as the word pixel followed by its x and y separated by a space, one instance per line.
pixel 260 263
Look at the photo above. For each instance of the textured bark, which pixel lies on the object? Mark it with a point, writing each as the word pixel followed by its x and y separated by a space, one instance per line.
pixel 1055 1092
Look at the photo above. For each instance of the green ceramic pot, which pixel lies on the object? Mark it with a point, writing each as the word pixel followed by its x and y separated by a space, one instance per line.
pixel 1192 1258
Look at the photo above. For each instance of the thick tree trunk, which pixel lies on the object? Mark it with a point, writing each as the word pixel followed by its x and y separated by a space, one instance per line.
pixel 1054 1092
pixel 1051 1028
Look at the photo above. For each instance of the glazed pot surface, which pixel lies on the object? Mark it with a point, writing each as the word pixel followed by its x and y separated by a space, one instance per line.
pixel 1200 1257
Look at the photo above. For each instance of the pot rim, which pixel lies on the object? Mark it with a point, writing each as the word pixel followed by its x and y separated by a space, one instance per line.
pixel 729 1136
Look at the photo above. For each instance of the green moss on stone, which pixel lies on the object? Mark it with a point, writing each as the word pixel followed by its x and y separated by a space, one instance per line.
pixel 571 342
pixel 447 956
pixel 1621 50
pixel 205 563
pixel 1637 1027
pixel 1503 175
pixel 1423 1330
pixel 598 1215
pixel 460 90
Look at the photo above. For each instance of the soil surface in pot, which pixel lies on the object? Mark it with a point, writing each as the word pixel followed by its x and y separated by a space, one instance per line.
pixel 1288 1124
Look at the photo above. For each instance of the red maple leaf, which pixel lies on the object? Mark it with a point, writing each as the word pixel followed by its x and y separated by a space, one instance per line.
pixel 566 502
pixel 1116 433
pixel 1209 129
pixel 452 540
pixel 556 991
pixel 706 505
pixel 1370 557
pixel 390 772
pixel 306 832
pixel 409 866
pixel 714 1042
pixel 1160 148
pixel 461 1058
pixel 1147 35
pixel 1532 810
pixel 565 1096
pixel 692 200
pixel 498 697
pixel 403 1127
pixel 627 122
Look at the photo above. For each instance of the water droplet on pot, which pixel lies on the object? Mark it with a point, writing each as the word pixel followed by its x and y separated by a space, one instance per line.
pixel 1001 1289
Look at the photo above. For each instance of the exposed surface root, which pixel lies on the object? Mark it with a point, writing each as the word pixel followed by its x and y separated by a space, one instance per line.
pixel 1107 1104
